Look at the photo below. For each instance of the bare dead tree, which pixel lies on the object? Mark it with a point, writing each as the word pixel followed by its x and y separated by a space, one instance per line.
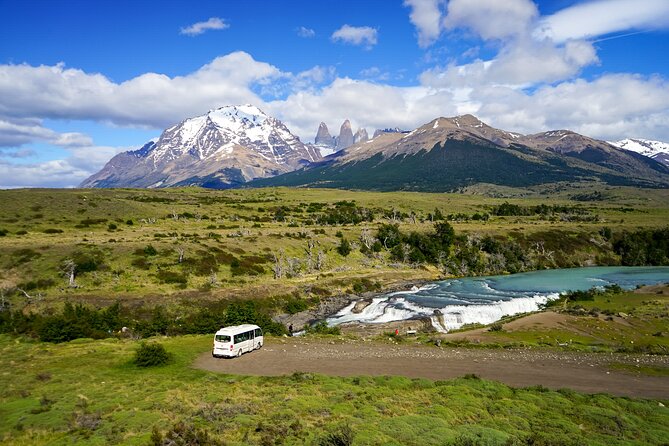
pixel 293 267
pixel 174 214
pixel 413 217
pixel 320 260
pixel 69 269
pixel 366 238
pixel 29 298
pixel 182 252
pixel 213 280
pixel 277 267
pixel 310 255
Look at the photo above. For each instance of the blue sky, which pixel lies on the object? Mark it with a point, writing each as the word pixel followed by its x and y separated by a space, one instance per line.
pixel 81 80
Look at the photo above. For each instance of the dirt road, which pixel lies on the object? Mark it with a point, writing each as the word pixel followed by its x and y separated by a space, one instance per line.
pixel 584 372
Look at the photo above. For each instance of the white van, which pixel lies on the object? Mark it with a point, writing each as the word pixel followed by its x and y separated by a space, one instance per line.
pixel 237 340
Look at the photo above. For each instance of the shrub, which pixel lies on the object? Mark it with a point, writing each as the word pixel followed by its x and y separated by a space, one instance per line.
pixel 166 276
pixel 53 231
pixel 495 327
pixel 342 436
pixel 322 327
pixel 344 247
pixel 3 232
pixel 150 354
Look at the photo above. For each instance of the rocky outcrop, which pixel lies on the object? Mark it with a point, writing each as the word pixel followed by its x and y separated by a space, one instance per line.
pixel 323 136
pixel 360 136
pixel 345 138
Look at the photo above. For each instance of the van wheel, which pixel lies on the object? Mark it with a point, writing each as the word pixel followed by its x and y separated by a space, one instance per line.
pixel 239 353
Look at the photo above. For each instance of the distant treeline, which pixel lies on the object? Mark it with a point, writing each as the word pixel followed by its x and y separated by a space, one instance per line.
pixel 79 321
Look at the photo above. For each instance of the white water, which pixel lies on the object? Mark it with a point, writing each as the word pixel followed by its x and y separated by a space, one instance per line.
pixel 450 304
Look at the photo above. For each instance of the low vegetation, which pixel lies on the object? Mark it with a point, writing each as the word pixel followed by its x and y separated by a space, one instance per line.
pixel 90 392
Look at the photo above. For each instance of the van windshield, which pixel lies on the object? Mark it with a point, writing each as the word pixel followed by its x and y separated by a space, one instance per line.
pixel 222 338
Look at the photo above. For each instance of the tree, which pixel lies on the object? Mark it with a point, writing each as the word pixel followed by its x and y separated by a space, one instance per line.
pixel 367 239
pixel 69 268
pixel 344 247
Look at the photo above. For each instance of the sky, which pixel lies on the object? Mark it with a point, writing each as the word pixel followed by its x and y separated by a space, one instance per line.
pixel 82 80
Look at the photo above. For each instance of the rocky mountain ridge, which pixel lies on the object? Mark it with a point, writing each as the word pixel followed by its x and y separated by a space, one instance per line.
pixel 657 150
pixel 222 148
pixel 449 153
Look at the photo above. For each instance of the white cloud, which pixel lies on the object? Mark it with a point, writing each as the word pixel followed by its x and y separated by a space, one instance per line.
pixel 613 106
pixel 356 35
pixel 68 172
pixel 152 100
pixel 426 17
pixel 596 18
pixel 200 27
pixel 16 132
pixel 491 19
pixel 305 32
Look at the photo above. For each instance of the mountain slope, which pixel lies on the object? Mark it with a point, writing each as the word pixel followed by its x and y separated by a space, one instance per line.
pixel 657 150
pixel 223 148
pixel 448 153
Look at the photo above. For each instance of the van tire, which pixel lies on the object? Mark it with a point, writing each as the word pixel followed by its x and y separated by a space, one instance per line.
pixel 239 353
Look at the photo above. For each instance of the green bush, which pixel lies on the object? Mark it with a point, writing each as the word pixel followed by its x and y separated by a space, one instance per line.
pixel 53 231
pixel 151 354
pixel 344 247
pixel 342 436
pixel 322 327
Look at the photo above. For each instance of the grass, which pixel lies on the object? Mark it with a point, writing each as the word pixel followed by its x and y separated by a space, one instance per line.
pixel 227 235
pixel 89 392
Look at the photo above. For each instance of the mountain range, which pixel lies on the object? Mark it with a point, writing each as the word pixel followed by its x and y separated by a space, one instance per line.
pixel 224 148
pixel 241 145
pixel 657 150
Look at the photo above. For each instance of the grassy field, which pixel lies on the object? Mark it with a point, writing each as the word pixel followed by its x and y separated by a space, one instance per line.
pixel 89 392
pixel 167 246
pixel 128 243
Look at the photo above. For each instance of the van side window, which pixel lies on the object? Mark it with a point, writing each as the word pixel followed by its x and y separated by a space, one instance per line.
pixel 258 332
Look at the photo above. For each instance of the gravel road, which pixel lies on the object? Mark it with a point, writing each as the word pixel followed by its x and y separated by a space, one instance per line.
pixel 584 372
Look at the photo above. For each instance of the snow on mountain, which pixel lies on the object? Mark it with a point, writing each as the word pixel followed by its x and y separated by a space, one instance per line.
pixel 228 145
pixel 657 150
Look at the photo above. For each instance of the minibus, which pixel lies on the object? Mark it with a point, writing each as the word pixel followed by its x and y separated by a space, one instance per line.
pixel 237 340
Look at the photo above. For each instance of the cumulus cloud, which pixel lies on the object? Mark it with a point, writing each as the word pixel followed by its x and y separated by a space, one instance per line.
pixel 305 32
pixel 426 17
pixel 356 35
pixel 600 17
pixel 491 19
pixel 201 27
pixel 151 100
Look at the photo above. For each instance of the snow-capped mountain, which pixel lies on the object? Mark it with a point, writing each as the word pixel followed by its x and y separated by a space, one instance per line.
pixel 450 153
pixel 222 148
pixel 657 150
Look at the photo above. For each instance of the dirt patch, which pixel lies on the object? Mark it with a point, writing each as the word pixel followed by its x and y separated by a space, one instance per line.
pixel 583 372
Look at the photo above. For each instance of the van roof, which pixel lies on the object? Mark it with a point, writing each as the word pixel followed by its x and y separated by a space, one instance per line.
pixel 236 328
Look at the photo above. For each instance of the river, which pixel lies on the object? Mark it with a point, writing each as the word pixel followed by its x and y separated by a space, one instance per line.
pixel 455 302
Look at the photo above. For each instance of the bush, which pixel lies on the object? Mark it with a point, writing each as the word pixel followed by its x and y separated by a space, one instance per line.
pixel 53 231
pixel 150 355
pixel 495 327
pixel 344 247
pixel 322 327
pixel 343 436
